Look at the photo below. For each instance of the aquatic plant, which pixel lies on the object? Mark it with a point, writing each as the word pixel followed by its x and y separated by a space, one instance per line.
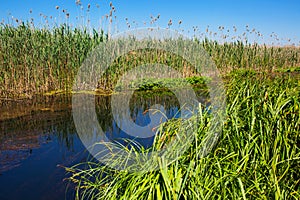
pixel 39 59
pixel 257 155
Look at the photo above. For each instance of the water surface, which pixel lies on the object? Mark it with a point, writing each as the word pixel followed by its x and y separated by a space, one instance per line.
pixel 38 137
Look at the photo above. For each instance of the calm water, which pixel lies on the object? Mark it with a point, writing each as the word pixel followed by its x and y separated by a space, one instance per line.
pixel 38 137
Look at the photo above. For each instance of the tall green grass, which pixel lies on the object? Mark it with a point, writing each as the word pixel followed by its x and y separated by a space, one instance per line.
pixel 238 54
pixel 38 60
pixel 257 157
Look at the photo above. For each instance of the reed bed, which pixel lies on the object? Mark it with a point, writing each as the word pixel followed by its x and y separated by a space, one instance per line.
pixel 39 60
pixel 35 61
pixel 258 154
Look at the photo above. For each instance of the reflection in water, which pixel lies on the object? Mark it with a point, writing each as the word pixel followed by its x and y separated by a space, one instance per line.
pixel 143 118
pixel 39 135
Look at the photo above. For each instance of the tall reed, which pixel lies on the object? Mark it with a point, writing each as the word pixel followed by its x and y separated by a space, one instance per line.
pixel 38 60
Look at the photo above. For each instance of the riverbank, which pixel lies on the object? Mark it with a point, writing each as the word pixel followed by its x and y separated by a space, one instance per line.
pixel 39 61
pixel 257 155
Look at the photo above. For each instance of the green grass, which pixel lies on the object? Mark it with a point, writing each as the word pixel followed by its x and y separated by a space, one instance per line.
pixel 34 60
pixel 165 83
pixel 40 60
pixel 290 69
pixel 258 153
pixel 257 156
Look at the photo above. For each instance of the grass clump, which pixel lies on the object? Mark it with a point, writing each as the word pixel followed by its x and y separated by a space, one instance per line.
pixel 153 84
pixel 257 157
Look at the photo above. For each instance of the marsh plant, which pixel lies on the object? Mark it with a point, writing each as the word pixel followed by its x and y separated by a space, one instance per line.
pixel 37 58
pixel 257 155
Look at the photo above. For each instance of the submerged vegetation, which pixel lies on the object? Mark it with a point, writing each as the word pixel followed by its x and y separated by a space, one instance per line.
pixel 258 153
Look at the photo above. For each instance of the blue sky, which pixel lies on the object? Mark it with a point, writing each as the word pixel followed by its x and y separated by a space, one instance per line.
pixel 279 16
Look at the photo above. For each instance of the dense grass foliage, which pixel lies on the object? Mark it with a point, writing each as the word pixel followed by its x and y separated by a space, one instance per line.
pixel 38 60
pixel 257 157
pixel 238 55
pixel 258 154
pixel 166 83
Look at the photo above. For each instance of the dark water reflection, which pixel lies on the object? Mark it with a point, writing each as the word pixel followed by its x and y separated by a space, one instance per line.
pixel 32 146
pixel 39 136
